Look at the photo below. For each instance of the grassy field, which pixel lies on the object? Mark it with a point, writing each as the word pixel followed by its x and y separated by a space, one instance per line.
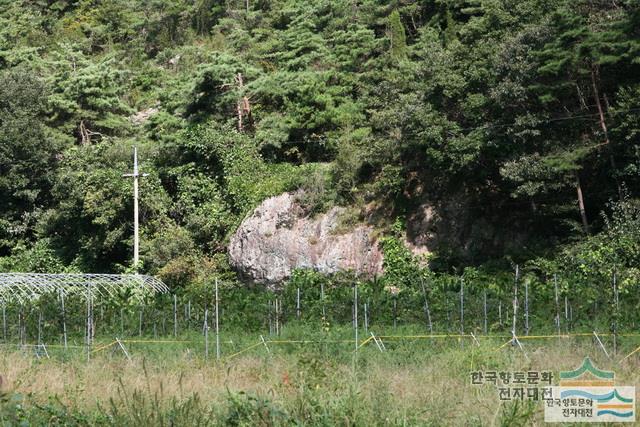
pixel 415 382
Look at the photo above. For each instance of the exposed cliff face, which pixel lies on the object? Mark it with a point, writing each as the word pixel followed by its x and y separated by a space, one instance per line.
pixel 277 238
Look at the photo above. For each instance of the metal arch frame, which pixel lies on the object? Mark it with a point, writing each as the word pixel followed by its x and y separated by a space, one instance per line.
pixel 24 287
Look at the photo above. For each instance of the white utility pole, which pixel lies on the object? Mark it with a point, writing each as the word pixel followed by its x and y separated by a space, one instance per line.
pixel 136 236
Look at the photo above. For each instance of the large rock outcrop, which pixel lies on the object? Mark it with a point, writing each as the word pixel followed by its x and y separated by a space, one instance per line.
pixel 278 238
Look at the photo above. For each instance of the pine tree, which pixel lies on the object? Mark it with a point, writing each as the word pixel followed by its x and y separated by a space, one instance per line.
pixel 397 36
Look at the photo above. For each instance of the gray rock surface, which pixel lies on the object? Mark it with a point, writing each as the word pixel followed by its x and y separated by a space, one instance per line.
pixel 278 237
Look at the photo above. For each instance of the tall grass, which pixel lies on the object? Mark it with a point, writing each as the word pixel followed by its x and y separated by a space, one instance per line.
pixel 413 383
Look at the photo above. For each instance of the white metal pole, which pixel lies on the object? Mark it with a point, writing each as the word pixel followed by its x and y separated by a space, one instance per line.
pixel 217 326
pixel 615 318
pixel 136 235
pixel 269 317
pixel 446 304
pixel 461 306
pixel 355 312
pixel 206 334
pixel 277 317
pixel 601 345
pixel 324 314
pixel 136 238
pixel 175 315
pixel 4 322
pixel 40 326
pixel 555 286
pixel 515 301
pixel 92 318
pixel 526 307
pixel 366 320
pixel 485 312
pixel 426 307
pixel 21 324
pixel 395 311
pixel 88 337
pixel 566 313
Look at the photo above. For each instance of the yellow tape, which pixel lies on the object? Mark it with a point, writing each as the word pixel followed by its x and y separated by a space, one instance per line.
pixel 46 345
pixel 103 347
pixel 630 354
pixel 155 341
pixel 308 341
pixel 60 345
pixel 347 341
pixel 243 350
pixel 504 345
pixel 534 337
pixel 391 337
pixel 365 341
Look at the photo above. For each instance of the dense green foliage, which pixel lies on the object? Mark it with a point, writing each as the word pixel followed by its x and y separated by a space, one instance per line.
pixel 493 111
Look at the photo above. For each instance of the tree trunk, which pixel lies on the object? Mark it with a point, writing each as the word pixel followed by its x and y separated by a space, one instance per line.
pixel 583 212
pixel 243 106
pixel 239 82
pixel 85 139
pixel 595 76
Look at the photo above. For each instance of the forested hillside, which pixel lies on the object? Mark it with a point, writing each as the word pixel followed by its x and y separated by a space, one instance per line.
pixel 519 120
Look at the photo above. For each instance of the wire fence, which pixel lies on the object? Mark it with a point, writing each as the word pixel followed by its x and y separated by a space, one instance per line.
pixel 66 309
pixel 379 342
